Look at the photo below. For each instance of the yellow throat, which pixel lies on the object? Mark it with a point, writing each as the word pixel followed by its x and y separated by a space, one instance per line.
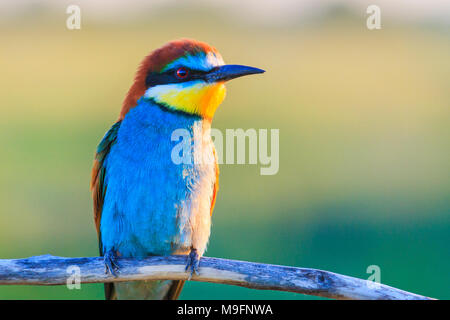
pixel 196 97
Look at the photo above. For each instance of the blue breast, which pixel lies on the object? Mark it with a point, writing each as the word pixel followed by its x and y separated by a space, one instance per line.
pixel 144 187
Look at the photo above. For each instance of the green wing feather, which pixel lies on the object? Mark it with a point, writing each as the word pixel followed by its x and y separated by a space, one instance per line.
pixel 98 188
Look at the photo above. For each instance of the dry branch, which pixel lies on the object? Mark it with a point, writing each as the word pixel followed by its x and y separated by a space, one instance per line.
pixel 51 270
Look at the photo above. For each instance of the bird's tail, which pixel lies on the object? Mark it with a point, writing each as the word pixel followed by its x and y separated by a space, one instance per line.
pixel 144 290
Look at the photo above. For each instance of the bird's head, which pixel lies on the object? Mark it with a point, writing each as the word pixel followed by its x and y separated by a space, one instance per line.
pixel 184 75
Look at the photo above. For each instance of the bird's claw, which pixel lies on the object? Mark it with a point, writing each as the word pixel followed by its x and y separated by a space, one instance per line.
pixel 193 262
pixel 111 265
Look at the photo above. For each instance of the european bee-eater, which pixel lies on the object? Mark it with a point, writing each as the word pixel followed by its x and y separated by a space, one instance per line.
pixel 145 203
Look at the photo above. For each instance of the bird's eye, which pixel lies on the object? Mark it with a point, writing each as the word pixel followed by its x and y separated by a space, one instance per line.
pixel 182 73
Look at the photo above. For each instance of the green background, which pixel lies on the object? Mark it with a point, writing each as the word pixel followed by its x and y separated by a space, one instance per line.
pixel 364 132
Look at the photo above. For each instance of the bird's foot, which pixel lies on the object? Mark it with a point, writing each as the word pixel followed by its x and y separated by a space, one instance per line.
pixel 193 262
pixel 111 265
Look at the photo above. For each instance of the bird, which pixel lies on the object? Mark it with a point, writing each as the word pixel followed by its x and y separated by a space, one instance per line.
pixel 145 203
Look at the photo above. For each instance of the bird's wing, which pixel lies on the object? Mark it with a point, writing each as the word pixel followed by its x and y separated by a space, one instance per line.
pixel 98 187
pixel 216 183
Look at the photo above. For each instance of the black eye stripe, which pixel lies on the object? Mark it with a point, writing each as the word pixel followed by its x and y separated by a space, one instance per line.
pixel 170 76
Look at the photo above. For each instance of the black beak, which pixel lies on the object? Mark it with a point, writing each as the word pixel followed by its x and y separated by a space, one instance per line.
pixel 230 71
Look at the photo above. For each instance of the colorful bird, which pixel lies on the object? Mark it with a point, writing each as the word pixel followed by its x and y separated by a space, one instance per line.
pixel 145 203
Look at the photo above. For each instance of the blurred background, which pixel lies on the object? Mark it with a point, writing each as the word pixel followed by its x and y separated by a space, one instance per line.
pixel 363 118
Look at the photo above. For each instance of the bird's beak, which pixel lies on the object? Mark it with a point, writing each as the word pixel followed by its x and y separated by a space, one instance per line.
pixel 230 71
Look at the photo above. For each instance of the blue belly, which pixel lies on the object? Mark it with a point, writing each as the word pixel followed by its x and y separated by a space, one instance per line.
pixel 145 189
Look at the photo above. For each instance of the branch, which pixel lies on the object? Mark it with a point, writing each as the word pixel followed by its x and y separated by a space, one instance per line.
pixel 51 270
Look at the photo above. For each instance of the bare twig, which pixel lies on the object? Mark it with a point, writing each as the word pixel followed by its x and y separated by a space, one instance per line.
pixel 51 270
